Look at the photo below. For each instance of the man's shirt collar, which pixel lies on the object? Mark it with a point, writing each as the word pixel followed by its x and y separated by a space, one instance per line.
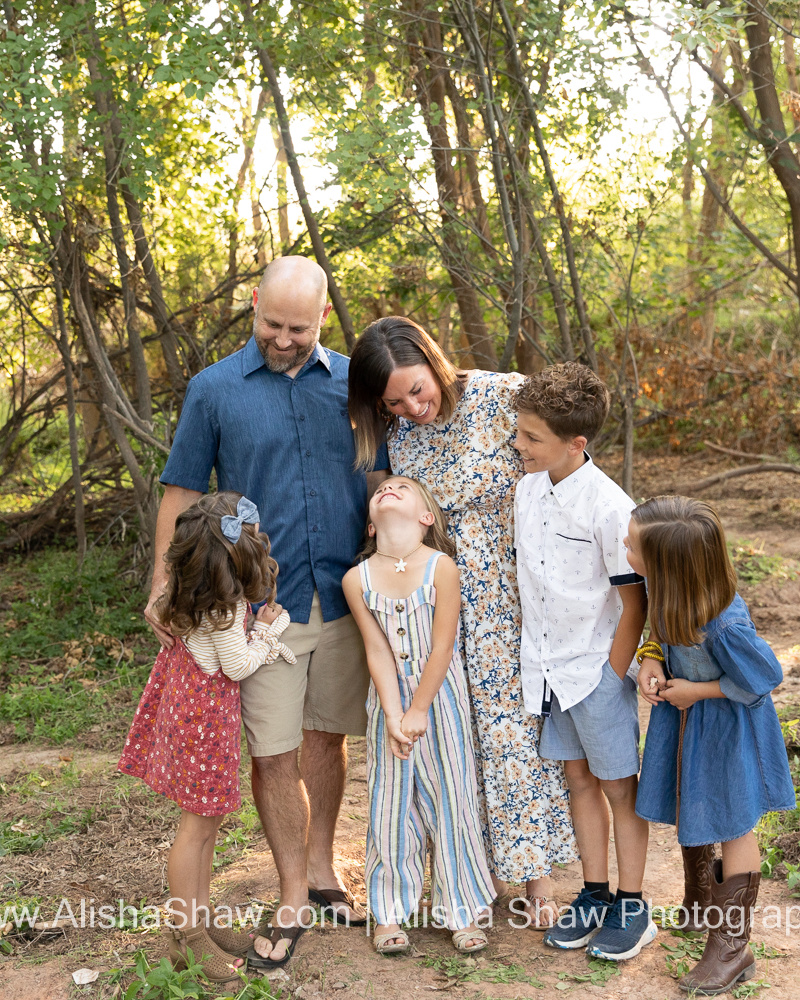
pixel 253 359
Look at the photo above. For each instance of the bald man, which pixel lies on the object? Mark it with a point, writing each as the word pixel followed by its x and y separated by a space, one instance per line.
pixel 272 420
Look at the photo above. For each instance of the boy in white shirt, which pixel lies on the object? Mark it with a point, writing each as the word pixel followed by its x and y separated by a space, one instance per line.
pixel 583 610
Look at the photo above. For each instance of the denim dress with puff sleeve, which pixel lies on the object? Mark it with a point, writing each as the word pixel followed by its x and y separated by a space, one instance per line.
pixel 734 767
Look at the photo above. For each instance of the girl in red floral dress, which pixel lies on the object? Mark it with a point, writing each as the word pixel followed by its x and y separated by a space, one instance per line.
pixel 185 737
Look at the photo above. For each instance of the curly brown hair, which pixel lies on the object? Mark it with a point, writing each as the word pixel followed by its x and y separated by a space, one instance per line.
pixel 570 398
pixel 208 575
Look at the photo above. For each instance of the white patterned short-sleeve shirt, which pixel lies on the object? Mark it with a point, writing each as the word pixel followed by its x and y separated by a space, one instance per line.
pixel 570 562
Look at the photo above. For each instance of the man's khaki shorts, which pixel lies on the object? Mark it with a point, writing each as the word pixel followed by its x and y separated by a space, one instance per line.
pixel 325 690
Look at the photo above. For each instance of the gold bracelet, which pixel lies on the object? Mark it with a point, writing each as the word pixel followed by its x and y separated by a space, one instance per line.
pixel 650 649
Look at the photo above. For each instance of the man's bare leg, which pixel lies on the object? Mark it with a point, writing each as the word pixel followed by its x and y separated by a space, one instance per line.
pixel 323 765
pixel 282 804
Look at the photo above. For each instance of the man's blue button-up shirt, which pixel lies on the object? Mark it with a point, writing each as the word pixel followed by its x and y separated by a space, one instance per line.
pixel 287 444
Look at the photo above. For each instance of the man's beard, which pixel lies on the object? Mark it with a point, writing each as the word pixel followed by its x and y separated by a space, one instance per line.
pixel 285 362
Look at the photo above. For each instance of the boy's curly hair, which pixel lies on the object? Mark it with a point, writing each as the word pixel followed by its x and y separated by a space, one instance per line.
pixel 570 398
pixel 208 574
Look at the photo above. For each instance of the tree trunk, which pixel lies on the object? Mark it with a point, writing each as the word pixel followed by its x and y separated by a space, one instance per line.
pixel 790 61
pixel 282 191
pixel 320 253
pixel 424 45
pixel 112 158
pixel 74 455
pixel 106 105
pixel 558 204
pixel 772 131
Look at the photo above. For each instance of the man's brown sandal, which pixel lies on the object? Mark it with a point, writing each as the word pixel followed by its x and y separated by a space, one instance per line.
pixel 325 898
pixel 276 934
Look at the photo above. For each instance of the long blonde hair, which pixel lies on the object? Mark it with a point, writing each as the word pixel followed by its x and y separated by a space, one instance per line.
pixel 436 536
pixel 690 577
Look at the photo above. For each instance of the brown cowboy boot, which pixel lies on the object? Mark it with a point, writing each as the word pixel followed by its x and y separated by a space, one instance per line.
pixel 727 958
pixel 697 861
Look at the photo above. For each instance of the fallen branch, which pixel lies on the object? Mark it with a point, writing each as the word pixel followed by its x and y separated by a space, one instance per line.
pixel 746 470
pixel 738 454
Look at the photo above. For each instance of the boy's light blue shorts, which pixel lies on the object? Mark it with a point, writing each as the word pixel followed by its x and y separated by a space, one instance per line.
pixel 603 729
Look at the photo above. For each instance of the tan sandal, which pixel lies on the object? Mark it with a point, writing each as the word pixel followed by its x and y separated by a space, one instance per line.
pixel 217 964
pixel 387 944
pixel 461 937
pixel 536 905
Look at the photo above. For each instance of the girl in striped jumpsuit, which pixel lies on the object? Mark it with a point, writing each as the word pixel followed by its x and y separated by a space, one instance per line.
pixel 405 597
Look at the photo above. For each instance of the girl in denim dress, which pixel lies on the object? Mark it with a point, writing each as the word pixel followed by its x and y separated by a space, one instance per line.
pixel 714 760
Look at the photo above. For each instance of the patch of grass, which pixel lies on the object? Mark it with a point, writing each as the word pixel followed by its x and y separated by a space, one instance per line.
pixel 238 832
pixel 21 911
pixel 685 951
pixel 468 970
pixel 600 971
pixel 162 982
pixel 773 825
pixel 762 950
pixel 49 780
pixel 23 838
pixel 754 566
pixel 75 651
pixel 751 989
pixel 669 917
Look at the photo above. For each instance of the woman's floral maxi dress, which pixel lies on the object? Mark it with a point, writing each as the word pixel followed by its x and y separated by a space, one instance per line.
pixel 472 468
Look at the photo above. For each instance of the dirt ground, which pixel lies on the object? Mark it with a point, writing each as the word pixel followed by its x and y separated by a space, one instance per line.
pixel 123 853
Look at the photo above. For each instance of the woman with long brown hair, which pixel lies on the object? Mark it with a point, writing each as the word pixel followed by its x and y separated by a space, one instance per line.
pixel 452 430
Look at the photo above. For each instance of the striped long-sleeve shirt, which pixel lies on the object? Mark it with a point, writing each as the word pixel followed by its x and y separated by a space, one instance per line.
pixel 237 653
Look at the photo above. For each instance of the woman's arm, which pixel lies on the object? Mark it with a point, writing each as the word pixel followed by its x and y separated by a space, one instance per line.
pixel 380 661
pixel 445 627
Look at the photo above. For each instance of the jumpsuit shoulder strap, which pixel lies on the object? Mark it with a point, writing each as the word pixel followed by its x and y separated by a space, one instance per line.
pixel 430 569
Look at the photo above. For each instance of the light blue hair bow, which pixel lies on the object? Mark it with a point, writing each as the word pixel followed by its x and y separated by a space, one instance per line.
pixel 246 513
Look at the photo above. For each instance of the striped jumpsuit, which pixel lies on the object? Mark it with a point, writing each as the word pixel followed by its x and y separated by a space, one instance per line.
pixel 432 795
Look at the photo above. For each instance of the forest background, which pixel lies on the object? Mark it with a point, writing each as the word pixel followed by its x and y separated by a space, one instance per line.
pixel 531 181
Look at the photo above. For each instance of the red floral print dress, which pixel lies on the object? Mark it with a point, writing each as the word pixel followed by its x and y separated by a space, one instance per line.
pixel 185 738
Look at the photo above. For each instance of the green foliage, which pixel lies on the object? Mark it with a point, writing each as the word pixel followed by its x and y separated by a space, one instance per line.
pixel 471 971
pixel 162 982
pixel 238 832
pixel 751 989
pixel 773 825
pixel 683 953
pixel 69 646
pixel 599 974
pixel 23 838
pixel 754 566
pixel 770 858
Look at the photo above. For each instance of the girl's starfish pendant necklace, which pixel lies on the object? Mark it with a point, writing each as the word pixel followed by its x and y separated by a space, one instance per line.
pixel 400 564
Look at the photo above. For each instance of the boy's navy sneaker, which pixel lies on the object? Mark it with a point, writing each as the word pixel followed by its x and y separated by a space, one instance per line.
pixel 578 923
pixel 626 929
